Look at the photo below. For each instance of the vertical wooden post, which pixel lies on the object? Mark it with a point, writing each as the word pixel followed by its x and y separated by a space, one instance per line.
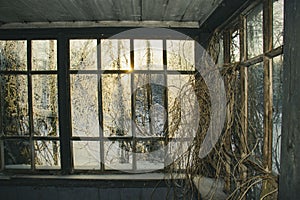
pixel 244 100
pixel 226 44
pixel 267 27
pixel 64 109
pixel 267 186
pixel 289 180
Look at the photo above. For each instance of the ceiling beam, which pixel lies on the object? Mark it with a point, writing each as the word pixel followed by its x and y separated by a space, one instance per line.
pixel 91 24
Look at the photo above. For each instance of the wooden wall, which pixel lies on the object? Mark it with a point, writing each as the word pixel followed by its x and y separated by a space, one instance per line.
pixel 289 181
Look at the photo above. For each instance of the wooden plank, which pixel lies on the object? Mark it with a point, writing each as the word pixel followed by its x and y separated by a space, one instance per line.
pixel 199 10
pixel 83 24
pixel 176 9
pixel 268 34
pixel 47 10
pixel 267 186
pixel 8 15
pixel 154 10
pixel 76 10
pixel 23 12
pixel 129 9
pixel 289 181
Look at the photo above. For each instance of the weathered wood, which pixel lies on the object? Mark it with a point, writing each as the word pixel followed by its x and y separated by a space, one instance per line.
pixel 105 10
pixel 267 186
pixel 64 111
pixel 267 26
pixel 154 10
pixel 289 180
pixel 244 102
pixel 85 24
pixel 197 9
pixel 175 10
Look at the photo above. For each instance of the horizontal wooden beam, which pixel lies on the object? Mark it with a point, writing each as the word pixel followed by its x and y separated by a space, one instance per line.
pixel 87 24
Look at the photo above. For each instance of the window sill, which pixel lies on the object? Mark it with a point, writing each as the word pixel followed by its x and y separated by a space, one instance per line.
pixel 101 181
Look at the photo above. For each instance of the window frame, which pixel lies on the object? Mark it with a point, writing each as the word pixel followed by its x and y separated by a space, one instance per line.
pixel 239 22
pixel 63 36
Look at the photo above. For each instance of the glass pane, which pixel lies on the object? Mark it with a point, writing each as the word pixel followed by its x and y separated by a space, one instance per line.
pixel 182 105
pixel 14 104
pixel 150 155
pixel 220 61
pixel 45 106
pixel 149 95
pixel 148 55
pixel 84 105
pixel 176 149
pixel 86 154
pixel 256 107
pixel 277 23
pixel 118 155
pixel 115 54
pixel 116 98
pixel 83 54
pixel 13 55
pixel 255 32
pixel 44 54
pixel 17 154
pixel 277 110
pixel 180 55
pixel 47 154
pixel 235 46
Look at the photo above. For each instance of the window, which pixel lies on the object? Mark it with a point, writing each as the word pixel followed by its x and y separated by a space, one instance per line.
pixel 253 59
pixel 29 107
pixel 255 32
pixel 122 103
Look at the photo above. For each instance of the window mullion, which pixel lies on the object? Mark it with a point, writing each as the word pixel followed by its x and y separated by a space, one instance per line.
pixel 166 125
pixel 100 106
pixel 134 141
pixel 30 106
pixel 64 104
pixel 267 46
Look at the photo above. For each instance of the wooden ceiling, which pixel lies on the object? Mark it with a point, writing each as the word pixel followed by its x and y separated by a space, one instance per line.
pixel 109 11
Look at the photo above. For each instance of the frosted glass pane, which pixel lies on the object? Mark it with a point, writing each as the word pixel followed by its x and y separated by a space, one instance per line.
pixel 278 23
pixel 116 98
pixel 235 46
pixel 17 154
pixel 277 110
pixel 255 32
pixel 47 154
pixel 83 54
pixel 115 54
pixel 150 112
pixel 44 54
pixel 148 55
pixel 84 105
pixel 118 155
pixel 180 55
pixel 86 154
pixel 182 105
pixel 220 61
pixel 13 55
pixel 14 104
pixel 256 106
pixel 150 155
pixel 45 106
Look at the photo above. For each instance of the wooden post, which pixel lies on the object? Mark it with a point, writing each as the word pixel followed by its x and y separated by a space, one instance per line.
pixel 244 102
pixel 267 186
pixel 289 180
pixel 226 44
